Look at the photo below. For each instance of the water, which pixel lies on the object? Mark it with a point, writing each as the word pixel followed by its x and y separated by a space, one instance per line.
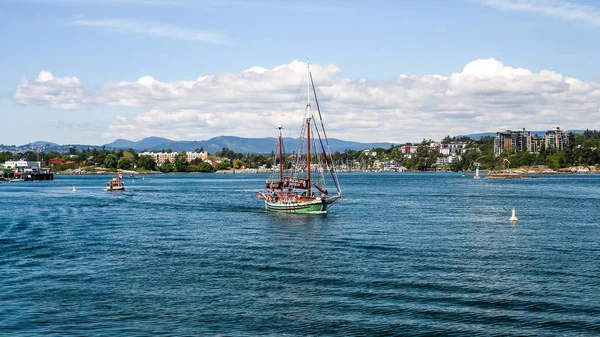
pixel 197 255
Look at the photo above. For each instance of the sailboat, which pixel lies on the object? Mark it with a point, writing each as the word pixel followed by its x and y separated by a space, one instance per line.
pixel 304 190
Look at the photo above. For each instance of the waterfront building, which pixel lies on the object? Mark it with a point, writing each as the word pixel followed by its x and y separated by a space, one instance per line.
pixel 519 140
pixel 161 157
pixel 446 160
pixel 456 148
pixel 406 149
pixel 377 165
pixel 436 146
pixel 555 139
pixel 441 161
pixel 368 152
pixel 22 165
pixel 26 170
pixel 391 166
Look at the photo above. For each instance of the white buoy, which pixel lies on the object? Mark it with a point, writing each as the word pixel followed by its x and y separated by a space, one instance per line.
pixel 132 181
pixel 74 189
pixel 514 215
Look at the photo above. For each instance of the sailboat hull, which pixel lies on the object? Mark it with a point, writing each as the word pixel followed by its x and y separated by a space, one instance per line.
pixel 317 207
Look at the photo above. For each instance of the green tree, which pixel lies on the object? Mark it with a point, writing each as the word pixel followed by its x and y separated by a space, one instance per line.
pixel 124 164
pixel 196 161
pixel 205 167
pixel 181 163
pixel 130 156
pixel 223 166
pixel 110 161
pixel 147 163
pixel 166 167
pixel 447 140
pixel 90 161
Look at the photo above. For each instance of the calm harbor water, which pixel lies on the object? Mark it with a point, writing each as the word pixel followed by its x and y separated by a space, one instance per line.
pixel 405 254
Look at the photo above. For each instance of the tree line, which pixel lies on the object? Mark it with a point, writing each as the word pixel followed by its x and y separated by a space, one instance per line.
pixel 583 150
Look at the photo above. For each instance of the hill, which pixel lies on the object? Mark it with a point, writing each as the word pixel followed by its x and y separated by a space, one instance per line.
pixel 149 142
pixel 236 144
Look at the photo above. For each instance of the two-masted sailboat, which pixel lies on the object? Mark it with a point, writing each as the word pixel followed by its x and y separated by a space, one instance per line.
pixel 302 189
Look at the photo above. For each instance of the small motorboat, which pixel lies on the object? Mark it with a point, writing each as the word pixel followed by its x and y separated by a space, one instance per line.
pixel 115 185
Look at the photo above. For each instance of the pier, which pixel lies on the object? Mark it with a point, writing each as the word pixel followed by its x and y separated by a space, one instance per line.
pixel 38 176
pixel 27 176
pixel 22 170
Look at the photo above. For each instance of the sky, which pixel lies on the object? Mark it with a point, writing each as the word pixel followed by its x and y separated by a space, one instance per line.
pixel 92 71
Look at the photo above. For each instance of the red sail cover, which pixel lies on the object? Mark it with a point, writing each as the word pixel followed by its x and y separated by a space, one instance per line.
pixel 321 190
pixel 301 183
pixel 275 185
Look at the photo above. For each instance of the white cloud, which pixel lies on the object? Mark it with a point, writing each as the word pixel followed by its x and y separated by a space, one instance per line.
pixel 555 8
pixel 60 93
pixel 485 96
pixel 154 29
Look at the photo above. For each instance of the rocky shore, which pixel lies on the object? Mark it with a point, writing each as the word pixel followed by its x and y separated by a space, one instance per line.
pixel 540 169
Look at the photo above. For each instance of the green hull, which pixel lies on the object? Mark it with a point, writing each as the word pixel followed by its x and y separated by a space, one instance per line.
pixel 318 207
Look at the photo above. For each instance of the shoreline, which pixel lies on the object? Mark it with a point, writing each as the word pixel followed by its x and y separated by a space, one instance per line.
pixel 521 171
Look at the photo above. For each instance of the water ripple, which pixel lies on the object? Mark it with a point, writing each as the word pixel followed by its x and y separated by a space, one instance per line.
pixel 406 254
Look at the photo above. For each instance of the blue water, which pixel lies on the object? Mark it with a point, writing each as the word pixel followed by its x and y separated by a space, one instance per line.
pixel 405 254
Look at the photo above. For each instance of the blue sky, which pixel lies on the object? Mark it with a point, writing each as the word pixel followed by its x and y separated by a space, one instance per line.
pixel 72 71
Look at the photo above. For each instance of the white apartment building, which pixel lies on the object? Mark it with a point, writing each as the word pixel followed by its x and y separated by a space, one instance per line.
pixel 161 157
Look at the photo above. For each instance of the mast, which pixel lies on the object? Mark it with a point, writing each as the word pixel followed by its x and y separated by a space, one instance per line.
pixel 308 150
pixel 308 127
pixel 280 156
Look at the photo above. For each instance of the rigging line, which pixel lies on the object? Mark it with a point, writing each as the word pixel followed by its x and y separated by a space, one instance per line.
pixel 300 149
pixel 318 108
pixel 327 159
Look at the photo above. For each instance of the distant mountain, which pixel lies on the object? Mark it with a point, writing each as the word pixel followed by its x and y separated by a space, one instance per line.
pixel 121 144
pixel 478 136
pixel 236 144
pixel 41 143
pixel 149 142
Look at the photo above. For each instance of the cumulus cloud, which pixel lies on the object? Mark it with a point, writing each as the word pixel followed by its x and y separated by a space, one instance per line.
pixel 486 95
pixel 60 93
